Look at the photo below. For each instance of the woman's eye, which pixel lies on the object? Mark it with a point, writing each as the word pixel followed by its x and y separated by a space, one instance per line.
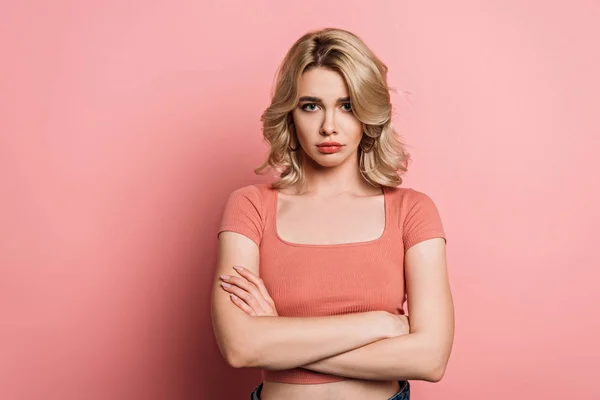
pixel 304 107
pixel 312 107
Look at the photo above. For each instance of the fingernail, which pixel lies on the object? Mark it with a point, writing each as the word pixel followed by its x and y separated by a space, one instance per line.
pixel 225 277
pixel 238 268
pixel 225 284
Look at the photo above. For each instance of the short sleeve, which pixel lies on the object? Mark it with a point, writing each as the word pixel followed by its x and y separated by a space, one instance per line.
pixel 421 220
pixel 243 213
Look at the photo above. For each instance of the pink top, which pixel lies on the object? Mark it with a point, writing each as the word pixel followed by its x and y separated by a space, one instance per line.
pixel 367 275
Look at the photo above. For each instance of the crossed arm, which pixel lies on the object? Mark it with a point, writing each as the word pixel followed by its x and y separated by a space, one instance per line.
pixel 424 352
pixel 375 351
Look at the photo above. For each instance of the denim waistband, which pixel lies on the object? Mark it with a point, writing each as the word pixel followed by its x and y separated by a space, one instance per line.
pixel 402 394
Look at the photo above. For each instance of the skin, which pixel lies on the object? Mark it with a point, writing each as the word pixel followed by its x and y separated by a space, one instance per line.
pixel 376 366
pixel 328 175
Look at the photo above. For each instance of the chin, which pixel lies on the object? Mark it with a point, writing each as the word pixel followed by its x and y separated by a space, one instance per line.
pixel 327 160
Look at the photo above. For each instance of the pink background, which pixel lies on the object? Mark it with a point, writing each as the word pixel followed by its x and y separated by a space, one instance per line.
pixel 124 125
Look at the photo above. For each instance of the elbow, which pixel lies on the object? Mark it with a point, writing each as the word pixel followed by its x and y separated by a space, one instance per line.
pixel 249 359
pixel 235 359
pixel 238 351
pixel 436 369
pixel 242 356
pixel 236 356
pixel 435 374
pixel 434 361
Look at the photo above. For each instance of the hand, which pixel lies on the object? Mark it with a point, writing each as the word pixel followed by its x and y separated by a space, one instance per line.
pixel 249 293
pixel 400 324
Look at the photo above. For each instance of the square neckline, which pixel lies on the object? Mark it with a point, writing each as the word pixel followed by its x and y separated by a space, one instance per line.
pixel 386 211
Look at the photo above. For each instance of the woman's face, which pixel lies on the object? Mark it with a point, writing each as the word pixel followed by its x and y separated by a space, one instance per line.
pixel 324 114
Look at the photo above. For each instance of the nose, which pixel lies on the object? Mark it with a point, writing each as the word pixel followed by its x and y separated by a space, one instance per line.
pixel 328 127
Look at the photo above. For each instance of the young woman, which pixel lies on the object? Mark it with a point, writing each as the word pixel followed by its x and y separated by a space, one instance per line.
pixel 331 250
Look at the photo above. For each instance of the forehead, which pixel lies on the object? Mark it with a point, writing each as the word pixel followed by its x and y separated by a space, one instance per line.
pixel 322 82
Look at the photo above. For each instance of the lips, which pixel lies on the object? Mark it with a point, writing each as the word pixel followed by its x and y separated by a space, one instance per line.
pixel 329 147
pixel 329 144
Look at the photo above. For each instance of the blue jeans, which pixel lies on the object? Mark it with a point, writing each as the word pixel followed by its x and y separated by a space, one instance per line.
pixel 402 394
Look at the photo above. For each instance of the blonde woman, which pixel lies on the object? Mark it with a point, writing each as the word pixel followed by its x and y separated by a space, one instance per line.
pixel 314 268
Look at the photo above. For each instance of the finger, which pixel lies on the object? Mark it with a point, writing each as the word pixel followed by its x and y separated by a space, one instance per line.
pixel 242 294
pixel 242 283
pixel 245 307
pixel 248 298
pixel 250 276
pixel 248 287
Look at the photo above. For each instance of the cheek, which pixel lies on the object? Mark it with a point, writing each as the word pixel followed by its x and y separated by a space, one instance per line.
pixel 351 125
pixel 304 124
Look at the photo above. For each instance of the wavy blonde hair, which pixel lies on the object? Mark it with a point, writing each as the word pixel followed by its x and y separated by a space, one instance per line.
pixel 366 77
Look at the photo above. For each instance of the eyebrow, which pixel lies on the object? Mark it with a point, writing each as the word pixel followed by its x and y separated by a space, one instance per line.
pixel 319 100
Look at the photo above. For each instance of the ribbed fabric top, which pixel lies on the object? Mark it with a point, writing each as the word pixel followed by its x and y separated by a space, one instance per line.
pixel 307 280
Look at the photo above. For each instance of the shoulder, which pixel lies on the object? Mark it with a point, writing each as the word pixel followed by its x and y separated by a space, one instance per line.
pixel 418 216
pixel 248 190
pixel 251 197
pixel 244 211
pixel 253 193
pixel 409 197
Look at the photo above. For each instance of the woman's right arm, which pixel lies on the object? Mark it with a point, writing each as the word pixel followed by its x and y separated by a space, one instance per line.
pixel 282 342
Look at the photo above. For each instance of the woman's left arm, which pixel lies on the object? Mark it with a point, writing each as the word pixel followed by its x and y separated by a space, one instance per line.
pixel 423 353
